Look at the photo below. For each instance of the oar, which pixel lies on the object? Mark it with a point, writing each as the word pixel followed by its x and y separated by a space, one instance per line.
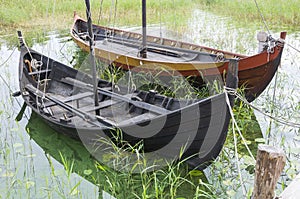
pixel 20 114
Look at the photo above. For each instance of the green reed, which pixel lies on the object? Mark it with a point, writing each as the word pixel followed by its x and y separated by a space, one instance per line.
pixel 46 15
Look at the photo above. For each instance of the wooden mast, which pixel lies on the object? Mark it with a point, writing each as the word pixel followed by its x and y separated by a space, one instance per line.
pixel 143 51
pixel 92 54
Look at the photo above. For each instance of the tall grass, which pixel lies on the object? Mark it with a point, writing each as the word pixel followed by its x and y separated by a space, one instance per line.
pixel 58 14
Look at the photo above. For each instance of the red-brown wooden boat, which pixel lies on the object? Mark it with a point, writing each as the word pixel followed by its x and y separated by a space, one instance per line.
pixel 170 57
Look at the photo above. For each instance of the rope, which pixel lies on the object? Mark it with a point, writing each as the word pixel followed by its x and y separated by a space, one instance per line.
pixel 262 17
pixel 110 12
pixel 100 11
pixel 9 57
pixel 292 47
pixel 266 26
pixel 272 110
pixel 234 124
pixel 279 120
pixel 160 23
pixel 231 91
pixel 11 91
pixel 115 14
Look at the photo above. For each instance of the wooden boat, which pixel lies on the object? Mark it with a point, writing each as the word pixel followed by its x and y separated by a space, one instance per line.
pixel 63 97
pixel 169 57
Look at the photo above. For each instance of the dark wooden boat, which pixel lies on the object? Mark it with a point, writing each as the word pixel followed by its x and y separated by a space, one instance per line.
pixel 169 57
pixel 63 97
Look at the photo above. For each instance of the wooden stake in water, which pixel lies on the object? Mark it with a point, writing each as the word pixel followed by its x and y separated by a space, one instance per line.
pixel 270 162
pixel 92 54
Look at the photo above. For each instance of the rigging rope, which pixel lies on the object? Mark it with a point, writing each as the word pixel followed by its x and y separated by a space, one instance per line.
pixel 115 16
pixel 110 12
pixel 4 80
pixel 100 11
pixel 292 46
pixel 160 23
pixel 262 17
pixel 175 21
pixel 272 110
pixel 9 56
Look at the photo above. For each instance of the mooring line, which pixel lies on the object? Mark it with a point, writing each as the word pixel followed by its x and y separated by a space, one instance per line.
pixel 292 46
pixel 234 124
pixel 9 57
pixel 279 120
pixel 5 82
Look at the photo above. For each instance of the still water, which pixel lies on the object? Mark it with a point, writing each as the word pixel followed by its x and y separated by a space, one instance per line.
pixel 36 162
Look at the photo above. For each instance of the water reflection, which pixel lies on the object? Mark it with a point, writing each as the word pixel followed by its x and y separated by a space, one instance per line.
pixel 76 159
pixel 68 152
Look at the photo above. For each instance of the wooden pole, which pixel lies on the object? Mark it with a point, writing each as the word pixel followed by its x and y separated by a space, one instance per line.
pixel 92 54
pixel 270 162
pixel 143 51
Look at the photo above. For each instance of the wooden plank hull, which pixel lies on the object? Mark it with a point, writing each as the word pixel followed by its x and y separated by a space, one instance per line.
pixel 166 126
pixel 169 57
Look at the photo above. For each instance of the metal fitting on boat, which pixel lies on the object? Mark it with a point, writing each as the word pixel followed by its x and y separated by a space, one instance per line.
pixel 262 38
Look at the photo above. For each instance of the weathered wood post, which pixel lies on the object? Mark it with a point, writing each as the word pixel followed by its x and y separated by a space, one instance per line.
pixel 270 162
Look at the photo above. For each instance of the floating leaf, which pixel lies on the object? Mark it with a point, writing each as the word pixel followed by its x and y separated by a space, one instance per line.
pixel 29 184
pixel 231 193
pixel 227 182
pixel 260 140
pixel 196 173
pixel 17 145
pixel 248 160
pixel 8 174
pixel 30 155
pixel 87 172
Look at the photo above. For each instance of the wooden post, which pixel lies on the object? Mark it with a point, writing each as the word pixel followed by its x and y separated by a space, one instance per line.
pixel 270 162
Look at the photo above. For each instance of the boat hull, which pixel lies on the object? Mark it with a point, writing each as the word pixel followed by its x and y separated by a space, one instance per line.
pixel 167 127
pixel 255 72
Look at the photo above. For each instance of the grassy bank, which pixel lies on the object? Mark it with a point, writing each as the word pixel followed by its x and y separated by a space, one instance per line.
pixel 53 14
